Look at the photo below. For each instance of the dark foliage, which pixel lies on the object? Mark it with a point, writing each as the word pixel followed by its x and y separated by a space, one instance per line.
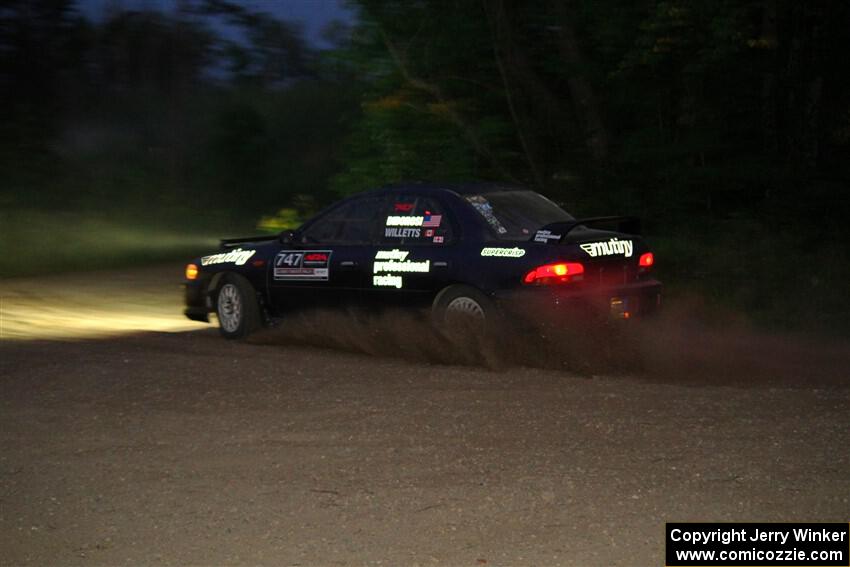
pixel 148 109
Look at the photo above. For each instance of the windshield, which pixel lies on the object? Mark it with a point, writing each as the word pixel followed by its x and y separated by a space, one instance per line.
pixel 517 215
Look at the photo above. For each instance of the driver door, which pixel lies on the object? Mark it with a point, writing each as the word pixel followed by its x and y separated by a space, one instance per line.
pixel 328 262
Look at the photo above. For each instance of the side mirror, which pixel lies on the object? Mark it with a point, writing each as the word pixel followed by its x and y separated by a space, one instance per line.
pixel 287 237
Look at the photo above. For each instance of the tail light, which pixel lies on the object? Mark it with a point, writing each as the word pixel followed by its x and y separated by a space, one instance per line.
pixel 191 272
pixel 562 272
pixel 646 260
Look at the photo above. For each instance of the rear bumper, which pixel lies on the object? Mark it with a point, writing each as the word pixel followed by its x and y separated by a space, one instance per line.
pixel 548 305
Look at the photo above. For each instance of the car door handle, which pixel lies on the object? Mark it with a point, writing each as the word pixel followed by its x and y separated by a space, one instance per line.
pixel 440 264
pixel 348 264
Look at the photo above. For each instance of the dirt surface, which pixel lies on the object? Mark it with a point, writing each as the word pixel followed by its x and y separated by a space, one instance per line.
pixel 183 448
pixel 93 304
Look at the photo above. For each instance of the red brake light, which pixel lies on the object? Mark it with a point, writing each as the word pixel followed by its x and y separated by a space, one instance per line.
pixel 646 260
pixel 561 272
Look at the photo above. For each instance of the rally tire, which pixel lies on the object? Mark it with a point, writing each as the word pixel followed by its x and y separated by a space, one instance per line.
pixel 461 310
pixel 237 307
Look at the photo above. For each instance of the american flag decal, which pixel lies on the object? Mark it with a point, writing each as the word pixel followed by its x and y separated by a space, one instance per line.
pixel 432 221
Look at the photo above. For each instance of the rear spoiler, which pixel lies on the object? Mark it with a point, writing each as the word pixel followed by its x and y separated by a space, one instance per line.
pixel 230 242
pixel 629 225
pixel 559 230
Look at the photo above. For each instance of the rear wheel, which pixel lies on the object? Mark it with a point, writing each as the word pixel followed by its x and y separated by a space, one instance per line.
pixel 237 307
pixel 461 312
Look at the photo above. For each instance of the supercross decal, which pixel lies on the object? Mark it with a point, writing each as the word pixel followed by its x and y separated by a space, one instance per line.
pixel 613 247
pixel 238 257
pixel 545 236
pixel 389 261
pixel 302 265
pixel 503 252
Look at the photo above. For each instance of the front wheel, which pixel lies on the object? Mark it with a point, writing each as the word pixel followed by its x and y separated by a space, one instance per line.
pixel 237 307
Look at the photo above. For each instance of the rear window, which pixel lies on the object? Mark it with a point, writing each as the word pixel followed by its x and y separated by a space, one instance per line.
pixel 517 215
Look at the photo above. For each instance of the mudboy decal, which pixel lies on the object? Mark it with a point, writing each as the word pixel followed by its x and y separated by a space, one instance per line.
pixel 389 261
pixel 613 247
pixel 238 257
pixel 503 252
pixel 302 265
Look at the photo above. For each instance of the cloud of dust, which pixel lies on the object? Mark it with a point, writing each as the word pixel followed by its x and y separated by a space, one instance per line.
pixel 402 334
pixel 689 342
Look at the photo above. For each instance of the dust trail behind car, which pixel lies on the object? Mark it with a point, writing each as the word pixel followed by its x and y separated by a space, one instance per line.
pixel 687 343
pixel 407 335
pixel 695 342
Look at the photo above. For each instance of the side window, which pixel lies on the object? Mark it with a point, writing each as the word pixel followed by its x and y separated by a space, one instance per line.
pixel 415 219
pixel 350 223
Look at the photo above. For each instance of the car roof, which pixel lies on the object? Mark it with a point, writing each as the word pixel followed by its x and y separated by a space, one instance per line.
pixel 469 188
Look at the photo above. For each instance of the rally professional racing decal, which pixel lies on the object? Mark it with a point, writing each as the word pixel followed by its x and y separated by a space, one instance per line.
pixel 238 257
pixel 545 236
pixel 612 247
pixel 389 261
pixel 311 265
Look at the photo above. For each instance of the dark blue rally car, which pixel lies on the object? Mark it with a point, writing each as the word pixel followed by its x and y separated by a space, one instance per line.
pixel 477 252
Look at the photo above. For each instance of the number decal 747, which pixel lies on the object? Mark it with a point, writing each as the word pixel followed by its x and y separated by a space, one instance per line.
pixel 300 265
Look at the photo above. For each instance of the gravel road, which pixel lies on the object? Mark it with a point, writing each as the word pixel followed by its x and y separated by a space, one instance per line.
pixel 183 448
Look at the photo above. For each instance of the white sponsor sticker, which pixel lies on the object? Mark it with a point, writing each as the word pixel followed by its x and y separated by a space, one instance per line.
pixel 503 252
pixel 302 265
pixel 613 247
pixel 237 256
pixel 389 263
pixel 423 266
pixel 394 254
pixel 388 280
pixel 395 220
pixel 396 232
pixel 545 236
